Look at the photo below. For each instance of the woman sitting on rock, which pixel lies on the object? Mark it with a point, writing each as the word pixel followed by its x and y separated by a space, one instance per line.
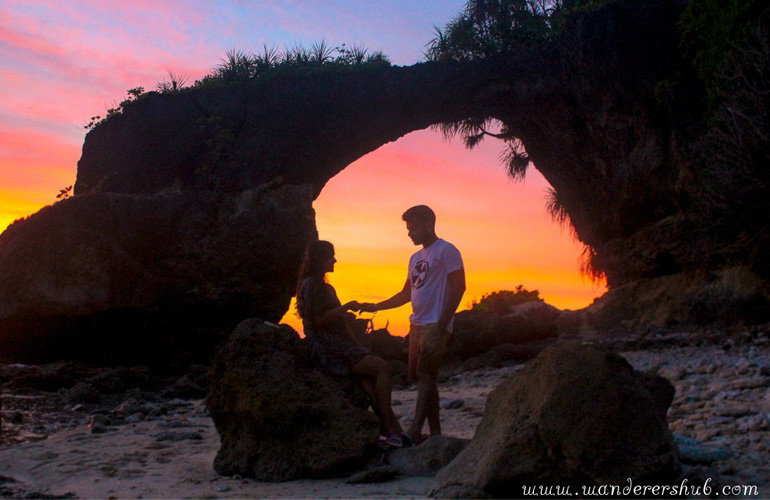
pixel 333 343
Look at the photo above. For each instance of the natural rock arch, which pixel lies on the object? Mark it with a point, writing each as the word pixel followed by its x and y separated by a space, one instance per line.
pixel 588 110
pixel 191 210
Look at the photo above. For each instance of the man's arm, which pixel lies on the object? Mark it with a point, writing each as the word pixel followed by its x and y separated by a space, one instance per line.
pixel 398 300
pixel 455 290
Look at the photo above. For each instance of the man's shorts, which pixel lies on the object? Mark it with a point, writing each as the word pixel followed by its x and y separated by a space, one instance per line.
pixel 426 349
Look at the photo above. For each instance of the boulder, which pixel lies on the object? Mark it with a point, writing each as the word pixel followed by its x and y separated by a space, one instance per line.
pixel 477 332
pixel 279 418
pixel 387 346
pixel 192 385
pixel 428 457
pixel 505 354
pixel 574 415
pixel 730 296
pixel 117 278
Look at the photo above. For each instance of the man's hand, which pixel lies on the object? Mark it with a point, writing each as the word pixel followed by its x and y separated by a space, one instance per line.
pixel 367 307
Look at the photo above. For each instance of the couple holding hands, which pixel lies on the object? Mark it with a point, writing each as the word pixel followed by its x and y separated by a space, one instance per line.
pixel 434 286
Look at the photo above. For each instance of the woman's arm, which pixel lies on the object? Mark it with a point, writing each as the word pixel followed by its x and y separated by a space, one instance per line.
pixel 333 315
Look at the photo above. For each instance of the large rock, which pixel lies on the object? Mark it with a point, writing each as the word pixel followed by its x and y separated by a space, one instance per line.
pixel 478 332
pixel 123 277
pixel 724 297
pixel 278 417
pixel 428 457
pixel 575 415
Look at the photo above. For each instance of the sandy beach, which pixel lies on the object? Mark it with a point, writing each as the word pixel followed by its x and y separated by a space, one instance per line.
pixel 720 417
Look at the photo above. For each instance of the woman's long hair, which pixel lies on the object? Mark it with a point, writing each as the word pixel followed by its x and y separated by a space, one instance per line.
pixel 316 255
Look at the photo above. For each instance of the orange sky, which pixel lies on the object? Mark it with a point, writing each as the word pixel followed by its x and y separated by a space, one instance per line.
pixel 500 226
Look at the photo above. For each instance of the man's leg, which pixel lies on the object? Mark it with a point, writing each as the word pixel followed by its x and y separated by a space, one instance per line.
pixel 425 387
pixel 415 341
pixel 434 423
pixel 428 352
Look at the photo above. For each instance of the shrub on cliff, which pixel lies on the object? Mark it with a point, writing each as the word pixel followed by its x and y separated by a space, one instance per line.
pixel 503 301
pixel 714 32
pixel 238 67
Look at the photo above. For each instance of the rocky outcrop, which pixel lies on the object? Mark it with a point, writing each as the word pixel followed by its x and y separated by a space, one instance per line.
pixel 478 332
pixel 173 227
pixel 575 415
pixel 278 418
pixel 303 128
pixel 428 457
pixel 119 277
pixel 608 112
pixel 729 297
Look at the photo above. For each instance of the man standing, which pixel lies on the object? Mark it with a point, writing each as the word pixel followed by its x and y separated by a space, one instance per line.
pixel 435 287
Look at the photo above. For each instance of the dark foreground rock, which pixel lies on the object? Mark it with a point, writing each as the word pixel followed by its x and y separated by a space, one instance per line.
pixel 427 458
pixel 278 417
pixel 143 278
pixel 575 415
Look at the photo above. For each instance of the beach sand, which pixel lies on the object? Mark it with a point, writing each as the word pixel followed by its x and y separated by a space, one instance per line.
pixel 171 456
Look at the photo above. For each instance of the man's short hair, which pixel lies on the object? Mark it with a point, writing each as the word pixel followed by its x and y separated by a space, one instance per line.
pixel 420 213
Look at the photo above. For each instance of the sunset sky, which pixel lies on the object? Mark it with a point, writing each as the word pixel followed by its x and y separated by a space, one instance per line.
pixel 63 62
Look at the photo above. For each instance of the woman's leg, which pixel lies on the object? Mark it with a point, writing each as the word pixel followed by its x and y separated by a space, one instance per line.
pixel 379 370
pixel 367 384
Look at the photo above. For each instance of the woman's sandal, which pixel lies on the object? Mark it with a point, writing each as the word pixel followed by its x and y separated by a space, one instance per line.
pixel 398 441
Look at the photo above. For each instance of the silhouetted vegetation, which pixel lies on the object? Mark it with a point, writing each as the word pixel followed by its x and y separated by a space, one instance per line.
pixel 487 28
pixel 64 193
pixel 173 85
pixel 733 189
pixel 133 95
pixel 727 44
pixel 715 33
pixel 238 67
pixel 503 301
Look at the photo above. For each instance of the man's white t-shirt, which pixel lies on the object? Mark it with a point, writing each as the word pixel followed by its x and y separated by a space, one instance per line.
pixel 428 271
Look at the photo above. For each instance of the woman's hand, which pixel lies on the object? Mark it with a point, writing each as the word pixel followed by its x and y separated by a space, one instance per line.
pixel 352 306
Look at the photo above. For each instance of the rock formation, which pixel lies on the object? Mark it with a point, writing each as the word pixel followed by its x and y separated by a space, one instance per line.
pixel 279 418
pixel 116 277
pixel 575 415
pixel 169 192
pixel 477 332
pixel 428 457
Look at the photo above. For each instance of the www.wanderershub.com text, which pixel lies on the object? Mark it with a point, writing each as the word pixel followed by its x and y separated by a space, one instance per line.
pixel 684 488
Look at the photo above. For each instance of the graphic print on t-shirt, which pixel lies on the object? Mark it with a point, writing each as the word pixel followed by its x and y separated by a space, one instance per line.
pixel 420 274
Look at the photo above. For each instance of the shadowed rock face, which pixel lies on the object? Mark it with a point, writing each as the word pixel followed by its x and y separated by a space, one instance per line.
pixel 127 277
pixel 576 415
pixel 278 418
pixel 303 129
